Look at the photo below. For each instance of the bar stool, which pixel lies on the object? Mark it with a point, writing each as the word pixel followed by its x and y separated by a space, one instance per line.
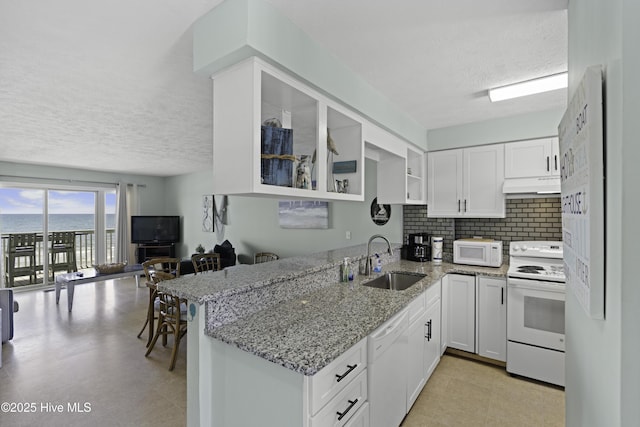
pixel 261 257
pixel 22 248
pixel 63 252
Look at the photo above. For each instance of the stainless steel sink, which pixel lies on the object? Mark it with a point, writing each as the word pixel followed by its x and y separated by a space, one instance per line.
pixel 395 280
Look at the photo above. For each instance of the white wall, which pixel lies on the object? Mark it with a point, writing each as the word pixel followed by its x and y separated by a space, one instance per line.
pixel 602 373
pixel 629 226
pixel 515 128
pixel 253 221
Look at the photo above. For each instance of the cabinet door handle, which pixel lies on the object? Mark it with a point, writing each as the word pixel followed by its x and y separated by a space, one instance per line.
pixel 458 205
pixel 501 296
pixel 428 325
pixel 352 403
pixel 465 205
pixel 547 163
pixel 555 160
pixel 348 371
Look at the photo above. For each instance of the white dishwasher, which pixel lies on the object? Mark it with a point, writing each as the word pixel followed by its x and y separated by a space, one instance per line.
pixel 387 369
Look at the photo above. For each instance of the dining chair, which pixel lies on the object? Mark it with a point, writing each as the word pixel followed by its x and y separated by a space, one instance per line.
pixel 172 317
pixel 205 262
pixel 63 252
pixel 155 270
pixel 20 259
pixel 261 257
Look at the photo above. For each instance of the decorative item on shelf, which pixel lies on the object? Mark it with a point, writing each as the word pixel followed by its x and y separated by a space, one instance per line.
pixel 277 154
pixel 272 122
pixel 113 268
pixel 331 150
pixel 349 166
pixel 342 185
pixel 200 249
pixel 303 173
pixel 380 214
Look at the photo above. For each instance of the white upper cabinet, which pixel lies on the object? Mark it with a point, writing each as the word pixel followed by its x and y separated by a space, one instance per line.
pixel 530 159
pixel 273 135
pixel 467 182
pixel 401 178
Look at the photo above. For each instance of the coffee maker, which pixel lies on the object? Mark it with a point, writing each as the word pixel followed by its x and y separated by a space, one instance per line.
pixel 419 247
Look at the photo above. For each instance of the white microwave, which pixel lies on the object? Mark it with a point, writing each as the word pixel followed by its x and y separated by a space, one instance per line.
pixel 484 252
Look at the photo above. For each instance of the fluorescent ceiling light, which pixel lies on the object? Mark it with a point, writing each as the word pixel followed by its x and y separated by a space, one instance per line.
pixel 530 87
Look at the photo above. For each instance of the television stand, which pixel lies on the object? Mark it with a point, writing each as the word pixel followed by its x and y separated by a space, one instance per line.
pixel 155 250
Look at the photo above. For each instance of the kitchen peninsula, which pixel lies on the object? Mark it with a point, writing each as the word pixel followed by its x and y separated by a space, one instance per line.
pixel 261 337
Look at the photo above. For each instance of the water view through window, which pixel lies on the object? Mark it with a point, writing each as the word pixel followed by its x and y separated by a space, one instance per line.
pixel 22 211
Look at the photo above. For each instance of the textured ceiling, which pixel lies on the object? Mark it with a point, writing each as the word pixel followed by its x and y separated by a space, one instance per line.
pixel 109 85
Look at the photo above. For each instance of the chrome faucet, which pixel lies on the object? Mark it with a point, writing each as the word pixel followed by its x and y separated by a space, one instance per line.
pixel 367 269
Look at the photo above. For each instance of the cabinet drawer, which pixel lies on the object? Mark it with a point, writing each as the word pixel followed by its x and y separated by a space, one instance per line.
pixel 433 294
pixel 336 375
pixel 417 307
pixel 344 405
pixel 360 418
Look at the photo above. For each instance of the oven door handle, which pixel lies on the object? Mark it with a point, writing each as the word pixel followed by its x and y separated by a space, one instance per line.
pixel 536 285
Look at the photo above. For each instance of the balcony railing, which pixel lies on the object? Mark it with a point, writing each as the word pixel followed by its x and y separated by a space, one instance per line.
pixel 84 248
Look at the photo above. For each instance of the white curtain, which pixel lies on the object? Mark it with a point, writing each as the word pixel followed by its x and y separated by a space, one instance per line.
pixel 122 224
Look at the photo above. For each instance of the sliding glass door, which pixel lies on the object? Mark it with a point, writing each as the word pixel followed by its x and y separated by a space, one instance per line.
pixel 78 232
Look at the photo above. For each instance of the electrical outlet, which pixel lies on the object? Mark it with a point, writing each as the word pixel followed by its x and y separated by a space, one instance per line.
pixel 348 235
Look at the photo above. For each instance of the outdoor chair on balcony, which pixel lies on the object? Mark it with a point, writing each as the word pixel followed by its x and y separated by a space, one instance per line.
pixel 156 270
pixel 20 259
pixel 63 252
pixel 205 262
pixel 261 257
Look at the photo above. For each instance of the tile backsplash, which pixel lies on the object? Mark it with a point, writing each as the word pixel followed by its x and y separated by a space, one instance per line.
pixel 527 219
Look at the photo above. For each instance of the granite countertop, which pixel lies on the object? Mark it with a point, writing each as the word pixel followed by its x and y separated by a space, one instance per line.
pixel 306 333
pixel 201 288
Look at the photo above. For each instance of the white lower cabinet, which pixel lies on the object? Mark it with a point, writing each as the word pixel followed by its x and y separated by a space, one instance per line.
pixel 475 314
pixel 361 418
pixel 444 315
pixel 344 405
pixel 416 361
pixel 462 312
pixel 432 339
pixel 424 343
pixel 492 318
pixel 339 390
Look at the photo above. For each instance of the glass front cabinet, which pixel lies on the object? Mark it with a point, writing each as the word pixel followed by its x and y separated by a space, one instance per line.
pixel 273 135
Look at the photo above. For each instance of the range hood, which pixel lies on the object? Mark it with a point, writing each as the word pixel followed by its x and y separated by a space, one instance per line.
pixel 547 184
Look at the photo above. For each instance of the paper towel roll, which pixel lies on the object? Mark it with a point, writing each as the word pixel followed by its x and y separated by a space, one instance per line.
pixel 436 250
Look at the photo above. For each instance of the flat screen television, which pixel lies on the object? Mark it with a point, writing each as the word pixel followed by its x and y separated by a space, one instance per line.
pixel 155 229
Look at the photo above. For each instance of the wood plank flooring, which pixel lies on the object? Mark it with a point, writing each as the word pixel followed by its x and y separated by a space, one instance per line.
pixel 92 356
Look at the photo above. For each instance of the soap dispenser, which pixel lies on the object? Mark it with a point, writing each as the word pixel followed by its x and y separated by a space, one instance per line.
pixel 377 268
pixel 344 270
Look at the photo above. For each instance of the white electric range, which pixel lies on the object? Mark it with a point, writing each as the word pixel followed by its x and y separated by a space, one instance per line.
pixel 535 311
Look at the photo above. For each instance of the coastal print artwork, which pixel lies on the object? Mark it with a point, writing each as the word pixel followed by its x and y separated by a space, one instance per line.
pixel 303 214
pixel 207 213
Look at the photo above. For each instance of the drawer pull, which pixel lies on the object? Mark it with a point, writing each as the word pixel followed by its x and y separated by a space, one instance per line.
pixel 352 403
pixel 351 368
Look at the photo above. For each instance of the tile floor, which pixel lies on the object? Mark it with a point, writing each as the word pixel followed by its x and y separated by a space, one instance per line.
pixel 92 356
pixel 464 392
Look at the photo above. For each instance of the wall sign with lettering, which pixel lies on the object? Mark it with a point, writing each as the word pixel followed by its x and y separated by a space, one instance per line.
pixel 582 175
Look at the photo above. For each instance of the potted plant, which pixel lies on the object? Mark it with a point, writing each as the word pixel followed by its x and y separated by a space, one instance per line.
pixel 200 249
